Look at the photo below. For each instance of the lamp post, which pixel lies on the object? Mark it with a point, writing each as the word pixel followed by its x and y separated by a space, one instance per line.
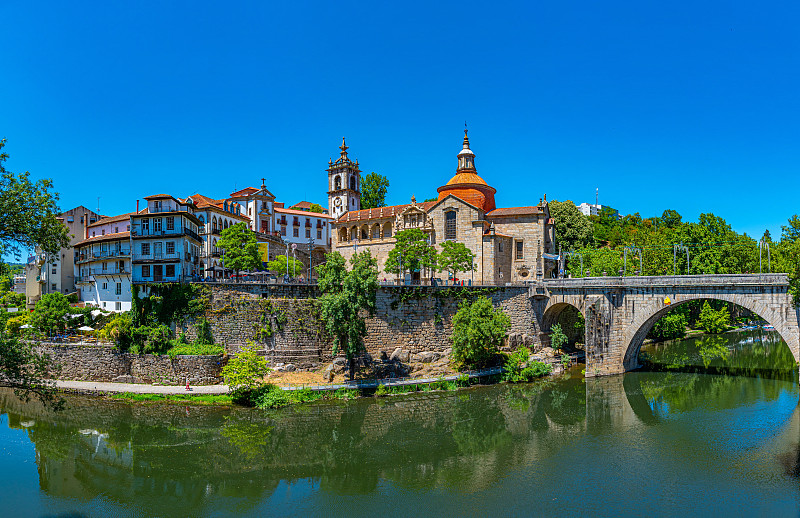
pixel 761 245
pixel 679 248
pixel 310 251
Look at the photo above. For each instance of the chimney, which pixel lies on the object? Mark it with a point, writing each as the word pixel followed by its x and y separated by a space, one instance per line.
pixel 137 206
pixel 85 225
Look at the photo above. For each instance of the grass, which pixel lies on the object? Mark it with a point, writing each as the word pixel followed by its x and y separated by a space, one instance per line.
pixel 195 349
pixel 179 399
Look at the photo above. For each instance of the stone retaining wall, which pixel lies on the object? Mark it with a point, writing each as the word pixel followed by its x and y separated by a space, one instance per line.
pixel 288 330
pixel 104 363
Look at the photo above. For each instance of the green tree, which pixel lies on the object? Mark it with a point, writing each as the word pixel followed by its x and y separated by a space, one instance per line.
pixel 411 253
pixel 557 337
pixel 316 207
pixel 241 248
pixel 713 321
pixel 456 257
pixel 245 371
pixel 669 327
pixel 49 312
pixel 373 191
pixel 671 218
pixel 791 231
pixel 278 265
pixel 573 229
pixel 345 296
pixel 478 330
pixel 28 212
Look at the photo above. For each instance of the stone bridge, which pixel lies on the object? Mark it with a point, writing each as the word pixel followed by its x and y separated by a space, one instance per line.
pixel 620 311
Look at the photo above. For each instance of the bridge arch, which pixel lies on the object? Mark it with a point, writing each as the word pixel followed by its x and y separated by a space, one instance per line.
pixel 557 306
pixel 637 330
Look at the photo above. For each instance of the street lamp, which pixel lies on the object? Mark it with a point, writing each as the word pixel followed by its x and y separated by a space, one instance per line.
pixel 679 248
pixel 633 250
pixel 764 244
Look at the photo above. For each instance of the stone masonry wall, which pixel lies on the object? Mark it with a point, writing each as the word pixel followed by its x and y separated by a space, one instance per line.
pixel 288 330
pixel 104 363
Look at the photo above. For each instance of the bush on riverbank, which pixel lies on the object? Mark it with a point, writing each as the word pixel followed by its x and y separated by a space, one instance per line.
pixel 671 326
pixel 713 321
pixel 478 330
pixel 519 369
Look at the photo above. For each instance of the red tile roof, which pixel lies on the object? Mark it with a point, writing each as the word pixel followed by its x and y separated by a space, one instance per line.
pixel 381 212
pixel 279 210
pixel 108 237
pixel 244 192
pixel 301 205
pixel 112 219
pixel 515 211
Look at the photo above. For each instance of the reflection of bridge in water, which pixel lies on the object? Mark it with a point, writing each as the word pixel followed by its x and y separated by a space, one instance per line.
pixel 620 311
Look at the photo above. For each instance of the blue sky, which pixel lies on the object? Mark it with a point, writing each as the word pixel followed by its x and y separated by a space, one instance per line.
pixel 692 106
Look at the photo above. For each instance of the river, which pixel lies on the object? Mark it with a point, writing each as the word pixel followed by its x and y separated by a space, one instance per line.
pixel 646 443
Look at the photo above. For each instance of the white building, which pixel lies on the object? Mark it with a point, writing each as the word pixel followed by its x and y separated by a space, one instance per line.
pixel 344 184
pixel 103 264
pixel 590 209
pixel 165 242
pixel 257 205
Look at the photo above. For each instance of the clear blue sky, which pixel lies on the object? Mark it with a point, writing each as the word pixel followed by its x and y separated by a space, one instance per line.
pixel 693 106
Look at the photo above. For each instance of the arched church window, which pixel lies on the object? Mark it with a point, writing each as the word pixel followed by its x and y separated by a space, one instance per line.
pixel 353 183
pixel 450 225
pixel 337 183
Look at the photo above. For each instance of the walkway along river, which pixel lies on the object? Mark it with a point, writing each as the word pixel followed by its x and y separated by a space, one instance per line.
pixel 643 443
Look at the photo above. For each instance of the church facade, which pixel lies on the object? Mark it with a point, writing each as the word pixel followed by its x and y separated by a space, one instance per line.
pixel 509 243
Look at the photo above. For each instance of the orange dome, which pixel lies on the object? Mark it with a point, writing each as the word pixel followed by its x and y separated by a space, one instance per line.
pixel 466 184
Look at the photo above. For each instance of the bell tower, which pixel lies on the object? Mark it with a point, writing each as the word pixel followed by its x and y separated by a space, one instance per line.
pixel 344 184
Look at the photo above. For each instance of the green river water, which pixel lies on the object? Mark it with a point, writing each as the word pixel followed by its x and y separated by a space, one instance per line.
pixel 648 443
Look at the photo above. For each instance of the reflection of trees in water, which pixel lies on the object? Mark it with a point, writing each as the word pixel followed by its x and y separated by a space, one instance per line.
pixel 748 353
pixel 190 457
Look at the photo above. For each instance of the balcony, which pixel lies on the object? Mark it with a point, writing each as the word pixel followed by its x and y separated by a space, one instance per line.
pixel 161 256
pixel 166 278
pixel 84 279
pixel 162 210
pixel 110 271
pixel 139 232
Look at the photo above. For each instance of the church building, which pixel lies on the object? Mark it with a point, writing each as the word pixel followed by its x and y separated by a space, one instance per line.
pixel 509 243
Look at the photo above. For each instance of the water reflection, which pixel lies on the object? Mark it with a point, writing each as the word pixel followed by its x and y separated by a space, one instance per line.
pixel 747 353
pixel 201 460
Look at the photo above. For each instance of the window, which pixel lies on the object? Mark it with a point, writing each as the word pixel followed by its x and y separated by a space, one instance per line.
pixel 387 230
pixel 103 232
pixel 71 219
pixel 118 306
pixel 170 247
pixel 283 231
pixel 145 225
pixel 116 230
pixel 296 232
pixel 54 269
pixel 156 224
pixel 308 232
pixel 171 223
pixel 170 270
pixel 319 234
pixel 105 285
pixel 146 270
pixel 129 228
pixel 104 305
pixel 450 225
pixel 53 286
pixel 520 253
pixel 145 248
pixel 500 246
pixel 105 266
pixel 119 289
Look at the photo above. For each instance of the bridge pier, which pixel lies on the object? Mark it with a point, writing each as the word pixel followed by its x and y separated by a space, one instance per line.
pixel 620 311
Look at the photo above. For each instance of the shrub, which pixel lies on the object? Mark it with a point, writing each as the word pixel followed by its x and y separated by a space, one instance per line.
pixel 204 335
pixel 118 330
pixel 514 364
pixel 557 337
pixel 565 359
pixel 14 324
pixel 195 349
pixel 478 329
pixel 245 372
pixel 669 327
pixel 152 340
pixel 535 370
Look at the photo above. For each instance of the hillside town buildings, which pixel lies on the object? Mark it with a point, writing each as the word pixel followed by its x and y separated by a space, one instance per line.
pixel 174 239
